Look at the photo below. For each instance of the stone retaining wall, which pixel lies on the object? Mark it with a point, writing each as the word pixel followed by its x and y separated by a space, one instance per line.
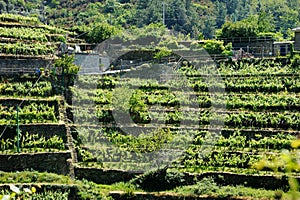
pixel 102 176
pixel 255 181
pixel 50 162
pixel 119 195
pixel 28 65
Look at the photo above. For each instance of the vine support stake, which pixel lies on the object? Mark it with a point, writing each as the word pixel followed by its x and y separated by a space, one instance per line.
pixel 18 130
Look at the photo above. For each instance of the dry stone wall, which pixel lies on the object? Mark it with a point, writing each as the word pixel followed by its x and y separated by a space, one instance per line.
pixel 43 162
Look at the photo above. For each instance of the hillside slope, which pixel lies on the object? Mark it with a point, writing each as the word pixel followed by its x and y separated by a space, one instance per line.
pixel 188 16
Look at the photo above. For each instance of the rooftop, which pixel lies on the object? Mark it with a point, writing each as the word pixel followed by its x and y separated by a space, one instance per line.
pixel 296 29
pixel 283 42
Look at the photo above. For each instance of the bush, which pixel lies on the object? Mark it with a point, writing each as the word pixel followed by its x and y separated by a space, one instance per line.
pixel 67 64
pixel 100 32
pixel 159 180
pixel 217 47
pixel 296 61
pixel 239 29
pixel 162 52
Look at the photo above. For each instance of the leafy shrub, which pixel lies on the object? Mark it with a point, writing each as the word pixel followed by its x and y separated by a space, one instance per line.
pixel 84 155
pixel 239 29
pixel 20 19
pixel 296 61
pixel 149 142
pixel 70 70
pixel 50 195
pixel 205 186
pixel 277 36
pixel 159 180
pixel 100 33
pixel 162 52
pixel 66 63
pixel 216 47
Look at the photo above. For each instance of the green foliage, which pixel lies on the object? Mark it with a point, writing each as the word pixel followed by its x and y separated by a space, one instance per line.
pixel 51 195
pixel 296 61
pixel 100 32
pixel 208 186
pixel 260 119
pixel 216 47
pixel 149 37
pixel 19 19
pixel 277 36
pixel 84 155
pixel 162 53
pixel 20 48
pixel 120 99
pixel 44 34
pixel 66 63
pixel 159 180
pixel 30 193
pixel 90 190
pixel 33 113
pixel 33 142
pixel 239 29
pixel 28 88
pixel 288 162
pixel 17 193
pixel 23 33
pixel 33 177
pixel 188 17
pixel 265 22
pixel 138 108
pixel 253 26
pixel 143 143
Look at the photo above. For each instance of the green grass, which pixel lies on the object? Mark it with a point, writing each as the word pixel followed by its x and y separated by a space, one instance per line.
pixel 208 187
pixel 49 195
pixel 91 190
pixel 33 177
pixel 86 189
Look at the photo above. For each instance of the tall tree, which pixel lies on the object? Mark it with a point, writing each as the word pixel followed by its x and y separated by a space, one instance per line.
pixel 176 14
pixel 221 11
pixel 265 22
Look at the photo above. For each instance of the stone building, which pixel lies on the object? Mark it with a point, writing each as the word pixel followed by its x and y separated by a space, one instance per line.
pixel 297 38
pixel 255 46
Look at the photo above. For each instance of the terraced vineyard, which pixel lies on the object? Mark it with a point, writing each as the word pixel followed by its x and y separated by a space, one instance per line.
pixel 223 132
pixel 30 105
pixel 219 132
pixel 21 35
pixel 259 119
pixel 29 89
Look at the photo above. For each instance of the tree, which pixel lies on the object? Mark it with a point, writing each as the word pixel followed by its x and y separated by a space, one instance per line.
pixel 239 29
pixel 176 14
pixel 249 27
pixel 203 17
pixel 66 63
pixel 69 69
pixel 148 12
pixel 288 20
pixel 109 7
pixel 2 7
pixel 265 22
pixel 221 13
pixel 285 17
pixel 100 33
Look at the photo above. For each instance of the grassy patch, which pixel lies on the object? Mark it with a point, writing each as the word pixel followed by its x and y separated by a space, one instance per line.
pixel 33 177
pixel 207 186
